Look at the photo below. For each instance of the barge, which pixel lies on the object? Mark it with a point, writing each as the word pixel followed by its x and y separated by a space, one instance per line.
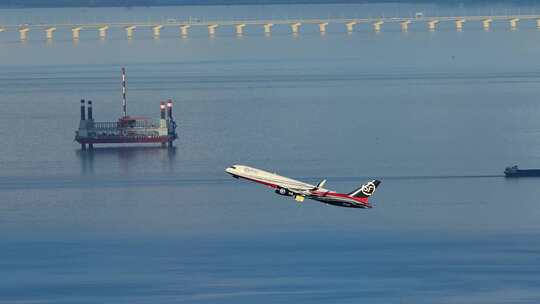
pixel 127 129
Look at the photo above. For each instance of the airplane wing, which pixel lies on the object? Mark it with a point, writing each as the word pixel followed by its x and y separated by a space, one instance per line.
pixel 296 187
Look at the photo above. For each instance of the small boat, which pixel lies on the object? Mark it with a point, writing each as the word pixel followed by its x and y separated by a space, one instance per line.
pixel 514 171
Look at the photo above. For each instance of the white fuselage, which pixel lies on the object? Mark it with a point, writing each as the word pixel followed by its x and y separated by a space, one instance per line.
pixel 270 179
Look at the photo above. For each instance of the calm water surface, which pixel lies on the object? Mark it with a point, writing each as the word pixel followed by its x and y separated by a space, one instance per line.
pixel 436 116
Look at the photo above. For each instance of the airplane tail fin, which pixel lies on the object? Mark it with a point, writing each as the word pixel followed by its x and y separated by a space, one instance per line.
pixel 366 190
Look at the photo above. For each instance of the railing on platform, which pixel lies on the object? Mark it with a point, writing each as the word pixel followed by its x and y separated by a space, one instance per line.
pixel 114 125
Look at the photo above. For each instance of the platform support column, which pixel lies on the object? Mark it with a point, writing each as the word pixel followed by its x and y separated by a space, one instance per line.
pixel 75 32
pixel 295 27
pixel 49 32
pixel 268 28
pixel 103 32
pixel 23 33
pixel 184 30
pixel 514 23
pixel 129 31
pixel 212 29
pixel 459 24
pixel 322 27
pixel 240 29
pixel 377 26
pixel 405 25
pixel 486 23
pixel 350 26
pixel 432 25
pixel 157 31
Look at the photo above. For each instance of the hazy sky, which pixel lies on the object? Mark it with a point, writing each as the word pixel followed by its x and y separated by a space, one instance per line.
pixel 71 3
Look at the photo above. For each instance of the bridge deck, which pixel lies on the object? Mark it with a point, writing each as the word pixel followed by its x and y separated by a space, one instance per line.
pixel 179 23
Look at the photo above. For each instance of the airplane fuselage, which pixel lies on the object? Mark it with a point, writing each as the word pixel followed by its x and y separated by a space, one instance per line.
pixel 297 189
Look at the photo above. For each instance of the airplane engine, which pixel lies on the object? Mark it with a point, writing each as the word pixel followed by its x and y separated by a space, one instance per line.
pixel 284 192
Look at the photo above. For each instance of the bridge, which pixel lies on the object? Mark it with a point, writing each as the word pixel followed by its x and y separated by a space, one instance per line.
pixel 183 27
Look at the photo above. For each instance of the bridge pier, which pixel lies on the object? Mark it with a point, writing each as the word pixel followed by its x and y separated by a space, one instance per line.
pixel 350 26
pixel 322 27
pixel 157 31
pixel 268 28
pixel 405 25
pixel 377 25
pixel 212 29
pixel 295 27
pixel 49 32
pixel 103 32
pixel 184 30
pixel 486 23
pixel 432 25
pixel 459 24
pixel 240 29
pixel 23 33
pixel 514 23
pixel 129 31
pixel 75 32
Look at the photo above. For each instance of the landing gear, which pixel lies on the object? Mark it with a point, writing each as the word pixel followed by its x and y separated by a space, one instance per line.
pixel 286 192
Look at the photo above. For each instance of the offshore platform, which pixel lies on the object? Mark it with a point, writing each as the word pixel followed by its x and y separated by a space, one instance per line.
pixel 128 129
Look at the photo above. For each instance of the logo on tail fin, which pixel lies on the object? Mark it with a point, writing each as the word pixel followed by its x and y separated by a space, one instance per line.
pixel 368 189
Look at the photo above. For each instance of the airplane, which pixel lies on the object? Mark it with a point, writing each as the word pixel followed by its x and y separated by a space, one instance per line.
pixel 299 190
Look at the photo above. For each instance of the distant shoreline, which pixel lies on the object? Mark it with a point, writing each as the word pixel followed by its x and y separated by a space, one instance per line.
pixel 156 3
